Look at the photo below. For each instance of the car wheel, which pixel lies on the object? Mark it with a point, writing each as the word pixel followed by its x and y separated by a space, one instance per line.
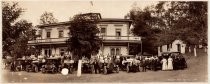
pixel 17 69
pixel 139 68
pixel 36 69
pixel 71 70
pixel 43 70
pixel 27 70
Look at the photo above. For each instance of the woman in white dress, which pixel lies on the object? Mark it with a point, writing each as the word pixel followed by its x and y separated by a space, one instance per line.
pixel 164 64
pixel 170 63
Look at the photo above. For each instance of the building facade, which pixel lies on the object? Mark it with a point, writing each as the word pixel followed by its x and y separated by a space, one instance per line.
pixel 115 34
pixel 175 46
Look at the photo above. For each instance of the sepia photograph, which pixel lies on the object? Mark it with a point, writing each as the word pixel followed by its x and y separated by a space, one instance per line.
pixel 104 41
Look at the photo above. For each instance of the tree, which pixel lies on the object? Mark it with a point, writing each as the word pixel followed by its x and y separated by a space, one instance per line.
pixel 83 41
pixel 47 18
pixel 187 21
pixel 147 26
pixel 16 34
pixel 167 21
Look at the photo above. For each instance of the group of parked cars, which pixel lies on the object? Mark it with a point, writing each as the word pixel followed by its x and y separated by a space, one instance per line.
pixel 103 65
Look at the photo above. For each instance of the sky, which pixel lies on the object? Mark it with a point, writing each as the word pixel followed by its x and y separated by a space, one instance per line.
pixel 62 10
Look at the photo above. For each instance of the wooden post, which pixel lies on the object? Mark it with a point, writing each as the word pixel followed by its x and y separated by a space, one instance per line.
pixel 189 49
pixel 102 49
pixel 205 50
pixel 195 54
pixel 141 48
pixel 159 51
pixel 79 70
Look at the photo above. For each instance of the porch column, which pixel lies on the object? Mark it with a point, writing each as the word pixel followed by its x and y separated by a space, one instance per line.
pixel 42 51
pixel 141 49
pixel 55 50
pixel 102 49
pixel 128 48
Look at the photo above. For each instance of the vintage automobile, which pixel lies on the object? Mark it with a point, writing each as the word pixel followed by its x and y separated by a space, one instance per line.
pixel 68 64
pixel 109 65
pixel 175 54
pixel 32 66
pixel 19 64
pixel 35 65
pixel 132 64
pixel 87 67
pixel 52 65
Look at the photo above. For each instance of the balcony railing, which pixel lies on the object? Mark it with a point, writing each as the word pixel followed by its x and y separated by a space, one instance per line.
pixel 47 40
pixel 128 38
pixel 105 38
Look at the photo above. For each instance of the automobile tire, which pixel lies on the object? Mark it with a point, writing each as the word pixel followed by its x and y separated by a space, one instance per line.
pixel 36 69
pixel 71 70
pixel 27 70
pixel 139 68
pixel 43 70
pixel 17 69
pixel 53 70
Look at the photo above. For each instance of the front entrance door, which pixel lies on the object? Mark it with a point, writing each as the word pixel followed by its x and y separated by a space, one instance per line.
pixel 178 47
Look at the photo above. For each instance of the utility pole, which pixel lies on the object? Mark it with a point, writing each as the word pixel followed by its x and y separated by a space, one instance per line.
pixel 91 6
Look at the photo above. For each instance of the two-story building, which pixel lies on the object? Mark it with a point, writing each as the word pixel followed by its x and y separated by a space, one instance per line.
pixel 115 34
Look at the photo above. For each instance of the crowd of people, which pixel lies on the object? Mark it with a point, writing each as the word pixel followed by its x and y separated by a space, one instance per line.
pixel 164 62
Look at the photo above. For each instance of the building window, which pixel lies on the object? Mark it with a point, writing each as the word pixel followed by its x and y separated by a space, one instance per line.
pixel 112 51
pixel 48 34
pixel 117 51
pixel 60 34
pixel 118 33
pixel 40 33
pixel 103 31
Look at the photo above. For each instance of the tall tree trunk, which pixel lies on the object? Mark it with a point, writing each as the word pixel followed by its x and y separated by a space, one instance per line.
pixel 195 54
